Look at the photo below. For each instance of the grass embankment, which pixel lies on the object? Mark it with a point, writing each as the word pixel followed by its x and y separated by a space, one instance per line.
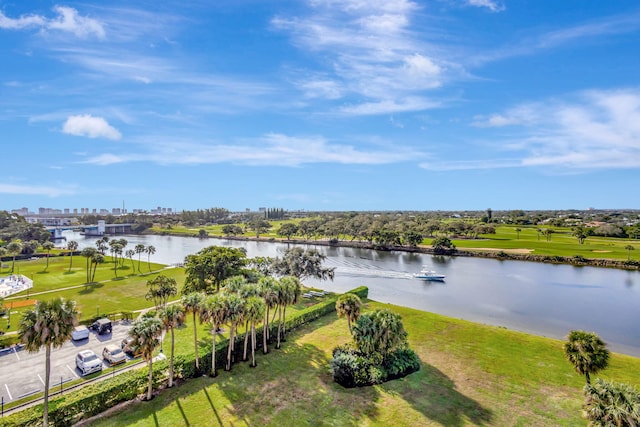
pixel 507 239
pixel 471 374
pixel 107 294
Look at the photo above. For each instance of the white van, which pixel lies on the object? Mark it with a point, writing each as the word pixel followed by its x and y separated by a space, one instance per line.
pixel 80 333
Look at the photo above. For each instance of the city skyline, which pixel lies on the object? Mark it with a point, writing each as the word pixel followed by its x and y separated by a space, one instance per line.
pixel 320 105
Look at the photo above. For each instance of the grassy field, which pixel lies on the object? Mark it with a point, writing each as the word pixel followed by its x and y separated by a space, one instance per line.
pixel 471 374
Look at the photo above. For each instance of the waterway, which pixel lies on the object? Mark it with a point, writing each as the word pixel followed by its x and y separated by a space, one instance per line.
pixel 543 299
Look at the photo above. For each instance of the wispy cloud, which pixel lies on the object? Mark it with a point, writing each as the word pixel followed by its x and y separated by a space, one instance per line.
pixel 369 50
pixel 493 6
pixel 68 20
pixel 272 149
pixel 91 127
pixel 590 130
pixel 37 190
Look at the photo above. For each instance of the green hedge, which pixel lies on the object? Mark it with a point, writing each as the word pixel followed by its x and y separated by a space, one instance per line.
pixel 98 397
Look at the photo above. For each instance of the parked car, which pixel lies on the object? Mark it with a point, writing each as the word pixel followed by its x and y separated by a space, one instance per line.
pixel 113 354
pixel 130 349
pixel 80 333
pixel 102 326
pixel 88 362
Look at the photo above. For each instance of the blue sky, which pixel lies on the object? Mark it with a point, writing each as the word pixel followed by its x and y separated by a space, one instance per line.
pixel 320 104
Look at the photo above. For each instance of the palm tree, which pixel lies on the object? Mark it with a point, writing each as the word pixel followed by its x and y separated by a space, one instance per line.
pixel 379 332
pixel 587 352
pixel 193 303
pixel 47 246
pixel 49 324
pixel 140 249
pixel 255 308
pixel 72 246
pixel 518 230
pixel 348 305
pixel 88 253
pixel 146 337
pixel 213 312
pixel 150 251
pixel 629 248
pixel 267 286
pixel 293 288
pixel 611 404
pixel 172 317
pixel 129 254
pixel 234 314
pixel 14 249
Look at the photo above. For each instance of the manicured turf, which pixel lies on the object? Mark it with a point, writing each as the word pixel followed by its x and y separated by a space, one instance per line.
pixel 471 375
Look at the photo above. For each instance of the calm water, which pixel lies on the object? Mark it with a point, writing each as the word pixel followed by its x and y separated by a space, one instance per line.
pixel 543 299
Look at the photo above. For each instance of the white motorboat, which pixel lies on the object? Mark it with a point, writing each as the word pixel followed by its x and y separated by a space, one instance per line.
pixel 426 274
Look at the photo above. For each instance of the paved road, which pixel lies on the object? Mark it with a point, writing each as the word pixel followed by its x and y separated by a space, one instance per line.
pixel 22 373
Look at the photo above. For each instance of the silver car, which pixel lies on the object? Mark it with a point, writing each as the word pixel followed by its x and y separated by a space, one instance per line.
pixel 113 354
pixel 88 362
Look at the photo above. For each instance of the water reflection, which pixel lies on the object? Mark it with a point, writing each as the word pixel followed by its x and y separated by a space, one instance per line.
pixel 544 299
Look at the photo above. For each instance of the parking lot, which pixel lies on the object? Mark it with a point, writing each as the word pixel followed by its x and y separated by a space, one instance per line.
pixel 22 373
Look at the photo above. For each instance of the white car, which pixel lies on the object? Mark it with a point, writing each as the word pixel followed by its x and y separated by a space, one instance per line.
pixel 113 354
pixel 80 333
pixel 88 362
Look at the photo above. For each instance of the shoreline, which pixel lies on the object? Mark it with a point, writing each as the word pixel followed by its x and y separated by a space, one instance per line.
pixel 499 254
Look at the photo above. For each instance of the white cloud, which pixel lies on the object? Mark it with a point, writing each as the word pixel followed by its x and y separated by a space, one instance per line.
pixel 371 53
pixel 390 106
pixel 67 20
pixel 489 4
pixel 90 126
pixel 36 190
pixel 272 149
pixel 590 130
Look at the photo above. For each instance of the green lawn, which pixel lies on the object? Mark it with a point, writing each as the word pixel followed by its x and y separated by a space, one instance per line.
pixel 471 374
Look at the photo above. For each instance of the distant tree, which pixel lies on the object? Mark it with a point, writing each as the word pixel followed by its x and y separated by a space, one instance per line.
pixel 88 253
pixel 14 249
pixel 47 246
pixel 72 246
pixel 287 230
pixel 629 248
pixel 259 226
pixel 202 234
pixel 49 324
pixel 611 404
pixel 129 254
pixel 443 245
pixel 586 352
pixel 518 230
pixel 547 233
pixel 101 244
pixel 580 233
pixel 348 305
pixel 140 249
pixel 150 250
pixel 412 238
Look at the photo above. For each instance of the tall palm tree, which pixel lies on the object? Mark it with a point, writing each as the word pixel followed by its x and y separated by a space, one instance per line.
pixel 146 337
pixel 194 303
pixel 72 246
pixel 293 290
pixel 587 352
pixel 234 310
pixel 89 253
pixel 14 249
pixel 213 312
pixel 255 308
pixel 172 317
pixel 150 251
pixel 129 254
pixel 140 249
pixel 348 305
pixel 47 246
pixel 267 286
pixel 49 324
pixel 611 404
